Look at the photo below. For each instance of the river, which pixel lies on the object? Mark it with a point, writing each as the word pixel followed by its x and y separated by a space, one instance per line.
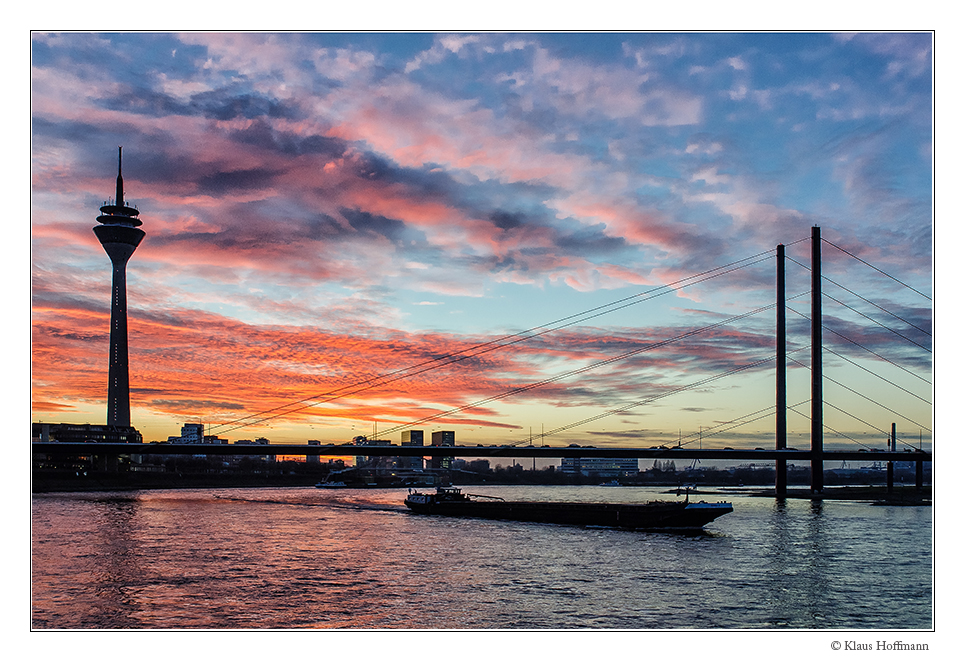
pixel 291 558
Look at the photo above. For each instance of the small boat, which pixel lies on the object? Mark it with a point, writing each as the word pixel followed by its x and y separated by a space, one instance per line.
pixel 331 484
pixel 654 515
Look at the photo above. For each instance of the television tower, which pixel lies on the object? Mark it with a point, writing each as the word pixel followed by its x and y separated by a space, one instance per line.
pixel 119 234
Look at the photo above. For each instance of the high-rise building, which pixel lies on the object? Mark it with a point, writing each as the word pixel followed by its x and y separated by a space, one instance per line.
pixel 412 438
pixel 119 234
pixel 312 459
pixel 192 433
pixel 443 438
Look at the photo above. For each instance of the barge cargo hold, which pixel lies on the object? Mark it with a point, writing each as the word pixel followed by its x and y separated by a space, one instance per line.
pixel 654 515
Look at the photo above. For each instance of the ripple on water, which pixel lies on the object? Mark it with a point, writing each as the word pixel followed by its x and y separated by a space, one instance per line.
pixel 306 558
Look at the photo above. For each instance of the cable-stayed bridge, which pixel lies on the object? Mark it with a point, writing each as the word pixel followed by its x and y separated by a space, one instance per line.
pixel 816 454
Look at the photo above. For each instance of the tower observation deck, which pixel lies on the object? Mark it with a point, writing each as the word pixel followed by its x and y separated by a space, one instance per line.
pixel 120 235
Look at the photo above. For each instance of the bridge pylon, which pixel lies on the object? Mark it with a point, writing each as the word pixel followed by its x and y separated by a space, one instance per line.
pixel 780 432
pixel 817 395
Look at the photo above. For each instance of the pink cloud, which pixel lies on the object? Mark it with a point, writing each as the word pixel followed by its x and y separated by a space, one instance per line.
pixel 263 367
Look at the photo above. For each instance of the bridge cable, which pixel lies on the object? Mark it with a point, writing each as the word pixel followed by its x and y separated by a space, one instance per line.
pixel 875 374
pixel 587 368
pixel 911 324
pixel 493 345
pixel 463 355
pixel 876 268
pixel 654 398
pixel 873 401
pixel 713 431
pixel 883 309
pixel 844 337
pixel 927 349
pixel 828 427
pixel 842 434
pixel 871 319
pixel 873 427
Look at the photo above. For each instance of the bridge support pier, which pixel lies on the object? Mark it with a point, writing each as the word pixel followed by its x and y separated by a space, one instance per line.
pixel 891 465
pixel 780 431
pixel 817 397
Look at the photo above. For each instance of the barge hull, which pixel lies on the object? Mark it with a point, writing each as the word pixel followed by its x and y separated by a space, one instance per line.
pixel 653 516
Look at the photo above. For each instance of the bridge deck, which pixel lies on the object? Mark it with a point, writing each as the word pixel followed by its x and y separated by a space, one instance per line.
pixel 348 450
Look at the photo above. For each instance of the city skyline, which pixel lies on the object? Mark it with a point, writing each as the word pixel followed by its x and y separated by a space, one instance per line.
pixel 326 208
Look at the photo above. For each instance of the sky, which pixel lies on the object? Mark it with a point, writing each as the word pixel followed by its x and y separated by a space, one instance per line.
pixel 504 234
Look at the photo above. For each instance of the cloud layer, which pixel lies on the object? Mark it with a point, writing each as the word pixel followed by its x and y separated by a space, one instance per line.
pixel 304 195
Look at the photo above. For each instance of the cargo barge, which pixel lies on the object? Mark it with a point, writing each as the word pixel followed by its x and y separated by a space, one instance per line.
pixel 654 515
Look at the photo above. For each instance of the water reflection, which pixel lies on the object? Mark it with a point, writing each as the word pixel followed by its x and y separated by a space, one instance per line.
pixel 780 565
pixel 815 563
pixel 296 558
pixel 114 561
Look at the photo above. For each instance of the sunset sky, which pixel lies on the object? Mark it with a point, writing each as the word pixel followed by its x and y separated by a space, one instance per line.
pixel 324 209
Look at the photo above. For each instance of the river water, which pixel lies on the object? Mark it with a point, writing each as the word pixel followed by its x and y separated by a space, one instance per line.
pixel 357 559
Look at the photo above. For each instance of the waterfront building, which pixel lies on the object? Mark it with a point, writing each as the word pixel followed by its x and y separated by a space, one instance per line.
pixel 412 438
pixel 313 459
pixel 443 438
pixel 375 461
pixel 191 433
pixel 260 441
pixel 604 467
pixel 84 433
pixel 76 432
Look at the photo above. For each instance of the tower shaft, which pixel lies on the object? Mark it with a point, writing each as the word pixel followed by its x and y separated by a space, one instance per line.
pixel 118 376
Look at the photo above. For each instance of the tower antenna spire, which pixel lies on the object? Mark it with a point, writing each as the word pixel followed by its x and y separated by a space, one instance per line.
pixel 120 181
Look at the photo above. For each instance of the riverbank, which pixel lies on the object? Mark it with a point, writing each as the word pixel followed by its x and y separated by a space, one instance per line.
pixel 900 495
pixel 93 481
pixel 43 482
